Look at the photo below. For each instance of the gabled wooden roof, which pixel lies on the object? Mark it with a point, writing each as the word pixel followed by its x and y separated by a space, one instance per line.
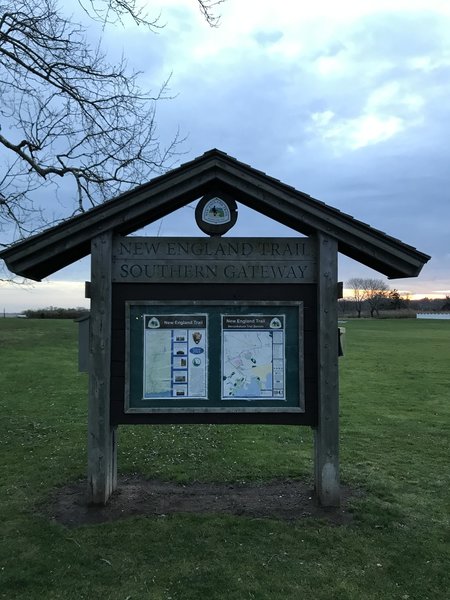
pixel 214 171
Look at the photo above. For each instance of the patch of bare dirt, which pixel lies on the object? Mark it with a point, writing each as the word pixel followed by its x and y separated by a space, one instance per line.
pixel 284 499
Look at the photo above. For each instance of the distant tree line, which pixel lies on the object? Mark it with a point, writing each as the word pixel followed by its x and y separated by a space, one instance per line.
pixel 372 297
pixel 54 312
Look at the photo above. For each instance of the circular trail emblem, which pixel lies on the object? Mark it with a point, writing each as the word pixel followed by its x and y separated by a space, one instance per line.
pixel 215 214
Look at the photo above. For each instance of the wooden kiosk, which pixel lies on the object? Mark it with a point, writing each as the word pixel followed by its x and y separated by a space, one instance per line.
pixel 213 329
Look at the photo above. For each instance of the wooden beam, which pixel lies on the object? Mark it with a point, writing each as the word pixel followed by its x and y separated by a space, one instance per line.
pixel 326 434
pixel 102 446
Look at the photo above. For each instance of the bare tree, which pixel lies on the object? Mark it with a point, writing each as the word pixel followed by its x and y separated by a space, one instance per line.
pixel 370 291
pixel 376 291
pixel 356 284
pixel 207 9
pixel 67 114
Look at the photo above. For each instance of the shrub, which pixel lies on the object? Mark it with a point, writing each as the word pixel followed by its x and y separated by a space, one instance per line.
pixel 53 312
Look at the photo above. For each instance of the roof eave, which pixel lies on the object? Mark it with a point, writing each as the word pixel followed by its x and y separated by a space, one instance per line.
pixel 55 248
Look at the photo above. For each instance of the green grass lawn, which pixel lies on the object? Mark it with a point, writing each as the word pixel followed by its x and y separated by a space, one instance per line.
pixel 395 409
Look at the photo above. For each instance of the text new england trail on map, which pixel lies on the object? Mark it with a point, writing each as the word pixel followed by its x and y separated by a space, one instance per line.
pixel 253 357
pixel 175 356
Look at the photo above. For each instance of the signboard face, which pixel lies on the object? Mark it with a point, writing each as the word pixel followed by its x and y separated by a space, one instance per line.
pixel 214 356
pixel 253 357
pixel 214 260
pixel 175 356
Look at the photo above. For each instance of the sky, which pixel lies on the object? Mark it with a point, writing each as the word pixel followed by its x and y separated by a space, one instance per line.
pixel 346 101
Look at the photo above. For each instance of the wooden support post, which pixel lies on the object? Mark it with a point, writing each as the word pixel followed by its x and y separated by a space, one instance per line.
pixel 102 446
pixel 326 435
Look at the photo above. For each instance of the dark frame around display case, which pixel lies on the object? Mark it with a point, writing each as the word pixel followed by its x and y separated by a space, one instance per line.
pixel 257 319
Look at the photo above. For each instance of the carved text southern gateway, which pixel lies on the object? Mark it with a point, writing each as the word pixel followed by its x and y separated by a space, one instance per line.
pixel 213 260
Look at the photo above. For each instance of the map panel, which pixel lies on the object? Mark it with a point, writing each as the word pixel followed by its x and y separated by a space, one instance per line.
pixel 253 357
pixel 175 356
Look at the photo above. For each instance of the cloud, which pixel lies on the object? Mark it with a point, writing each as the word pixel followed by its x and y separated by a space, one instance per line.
pixel 267 38
pixel 346 101
pixel 358 132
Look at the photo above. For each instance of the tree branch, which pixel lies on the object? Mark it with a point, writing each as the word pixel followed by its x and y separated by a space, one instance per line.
pixel 69 115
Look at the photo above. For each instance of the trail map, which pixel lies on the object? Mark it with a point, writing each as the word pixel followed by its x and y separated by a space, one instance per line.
pixel 175 356
pixel 253 357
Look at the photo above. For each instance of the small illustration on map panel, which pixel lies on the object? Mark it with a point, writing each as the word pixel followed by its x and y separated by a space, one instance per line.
pixel 253 357
pixel 175 356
